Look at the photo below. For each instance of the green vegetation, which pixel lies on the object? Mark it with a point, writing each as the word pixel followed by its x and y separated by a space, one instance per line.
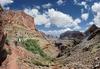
pixel 33 46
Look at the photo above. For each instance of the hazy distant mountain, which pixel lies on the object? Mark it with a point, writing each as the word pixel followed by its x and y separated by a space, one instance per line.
pixel 72 34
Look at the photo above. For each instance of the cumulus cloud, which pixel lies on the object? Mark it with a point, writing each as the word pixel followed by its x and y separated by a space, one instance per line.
pixel 96 9
pixel 31 12
pixel 59 19
pixel 48 5
pixel 60 2
pixel 5 2
pixel 84 4
pixel 77 21
pixel 85 16
pixel 54 17
pixel 97 19
pixel 39 18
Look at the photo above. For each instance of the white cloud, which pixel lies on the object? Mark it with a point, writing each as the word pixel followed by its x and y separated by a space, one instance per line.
pixel 37 7
pixel 96 9
pixel 91 23
pixel 60 2
pixel 5 2
pixel 48 5
pixel 97 19
pixel 51 16
pixel 42 19
pixel 39 18
pixel 59 19
pixel 75 1
pixel 77 21
pixel 55 17
pixel 32 12
pixel 85 16
pixel 83 3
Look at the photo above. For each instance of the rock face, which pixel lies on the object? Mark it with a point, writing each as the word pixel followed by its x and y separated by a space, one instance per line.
pixel 19 18
pixel 91 30
pixel 72 34
pixel 3 53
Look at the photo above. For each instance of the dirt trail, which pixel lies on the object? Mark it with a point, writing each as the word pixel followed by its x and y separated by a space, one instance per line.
pixel 12 60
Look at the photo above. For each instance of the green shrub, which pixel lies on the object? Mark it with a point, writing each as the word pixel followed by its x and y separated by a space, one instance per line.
pixel 33 46
pixel 7 41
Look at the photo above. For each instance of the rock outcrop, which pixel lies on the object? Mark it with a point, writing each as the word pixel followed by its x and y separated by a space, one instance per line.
pixel 92 32
pixel 91 29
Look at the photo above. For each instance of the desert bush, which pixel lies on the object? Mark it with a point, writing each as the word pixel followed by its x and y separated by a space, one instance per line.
pixel 33 46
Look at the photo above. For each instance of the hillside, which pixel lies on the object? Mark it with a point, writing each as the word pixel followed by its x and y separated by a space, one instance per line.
pixel 17 28
pixel 85 54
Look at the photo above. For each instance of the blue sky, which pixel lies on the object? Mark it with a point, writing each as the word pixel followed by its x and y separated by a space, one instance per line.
pixel 57 16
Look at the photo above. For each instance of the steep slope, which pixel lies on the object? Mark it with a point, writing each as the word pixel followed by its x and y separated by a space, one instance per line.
pixel 20 25
pixel 17 27
pixel 91 29
pixel 85 55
